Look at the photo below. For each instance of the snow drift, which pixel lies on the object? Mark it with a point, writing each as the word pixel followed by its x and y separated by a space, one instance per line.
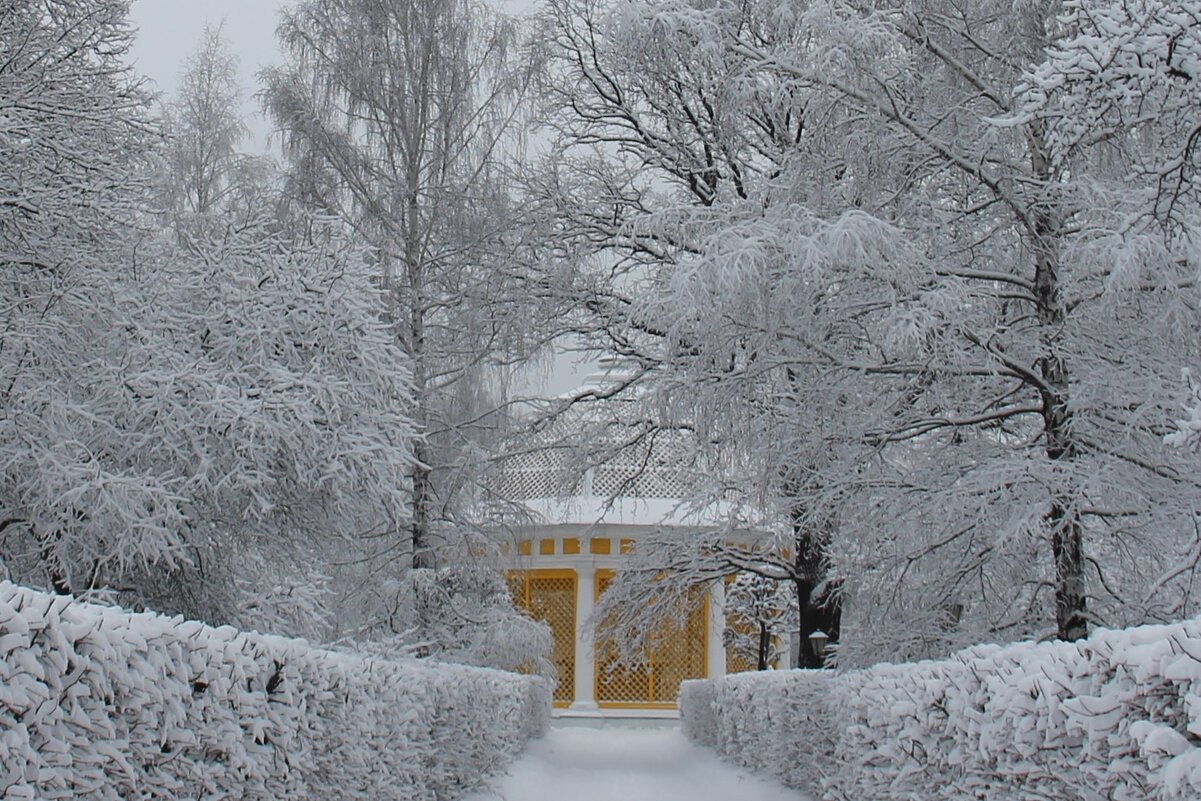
pixel 1116 716
pixel 99 703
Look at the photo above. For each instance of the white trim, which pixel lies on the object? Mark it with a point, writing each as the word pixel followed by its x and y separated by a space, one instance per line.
pixel 617 714
pixel 587 510
pixel 585 660
pixel 716 668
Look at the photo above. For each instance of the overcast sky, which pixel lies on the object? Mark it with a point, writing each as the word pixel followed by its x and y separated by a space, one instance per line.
pixel 169 31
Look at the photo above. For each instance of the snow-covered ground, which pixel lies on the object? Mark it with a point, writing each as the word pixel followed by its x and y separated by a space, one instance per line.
pixel 627 764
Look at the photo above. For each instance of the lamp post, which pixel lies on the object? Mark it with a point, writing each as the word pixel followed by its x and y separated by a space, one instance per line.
pixel 817 642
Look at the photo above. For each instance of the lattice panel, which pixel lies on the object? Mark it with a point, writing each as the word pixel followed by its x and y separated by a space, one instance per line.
pixel 551 599
pixel 680 657
pixel 742 660
pixel 620 685
pixel 649 469
pixel 653 468
pixel 676 655
pixel 537 474
pixel 636 481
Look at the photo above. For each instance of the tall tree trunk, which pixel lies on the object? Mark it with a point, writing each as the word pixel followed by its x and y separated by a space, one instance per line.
pixel 417 266
pixel 52 560
pixel 422 475
pixel 815 612
pixel 423 555
pixel 1063 518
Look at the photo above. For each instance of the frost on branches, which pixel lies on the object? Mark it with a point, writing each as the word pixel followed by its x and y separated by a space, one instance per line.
pixel 1188 430
pixel 206 408
pixel 760 616
pixel 73 128
pixel 254 389
pixel 404 119
pixel 920 276
pixel 278 399
pixel 463 614
pixel 1112 716
pixel 199 425
pixel 97 703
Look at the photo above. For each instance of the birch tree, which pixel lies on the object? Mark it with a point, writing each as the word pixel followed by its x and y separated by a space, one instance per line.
pixel 399 115
pixel 205 127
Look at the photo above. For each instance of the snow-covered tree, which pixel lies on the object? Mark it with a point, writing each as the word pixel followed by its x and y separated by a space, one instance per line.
pixel 1188 430
pixel 1036 432
pixel 73 128
pixel 205 126
pixel 463 613
pixel 272 391
pixel 632 93
pixel 218 426
pixel 760 615
pixel 917 326
pixel 398 117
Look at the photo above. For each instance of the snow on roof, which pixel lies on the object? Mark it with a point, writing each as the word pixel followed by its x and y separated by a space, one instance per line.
pixel 587 511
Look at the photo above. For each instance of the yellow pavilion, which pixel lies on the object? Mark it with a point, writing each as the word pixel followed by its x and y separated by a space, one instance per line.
pixel 569 551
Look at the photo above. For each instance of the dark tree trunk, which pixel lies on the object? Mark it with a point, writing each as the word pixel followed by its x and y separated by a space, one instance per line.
pixel 1070 598
pixel 818 605
pixel 1063 518
pixel 423 555
pixel 822 613
pixel 56 569
pixel 764 646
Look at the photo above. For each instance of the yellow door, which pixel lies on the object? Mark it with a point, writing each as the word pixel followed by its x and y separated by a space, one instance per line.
pixel 676 654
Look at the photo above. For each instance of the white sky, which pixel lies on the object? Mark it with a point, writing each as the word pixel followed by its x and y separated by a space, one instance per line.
pixel 169 31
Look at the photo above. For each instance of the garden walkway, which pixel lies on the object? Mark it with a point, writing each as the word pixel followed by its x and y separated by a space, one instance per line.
pixel 627 764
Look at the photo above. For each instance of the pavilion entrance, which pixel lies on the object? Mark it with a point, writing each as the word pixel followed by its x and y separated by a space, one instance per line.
pixel 563 598
pixel 676 655
pixel 549 596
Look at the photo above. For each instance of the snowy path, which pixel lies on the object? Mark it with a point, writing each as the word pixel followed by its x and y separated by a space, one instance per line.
pixel 627 764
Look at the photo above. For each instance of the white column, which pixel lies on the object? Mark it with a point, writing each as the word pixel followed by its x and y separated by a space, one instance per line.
pixel 585 657
pixel 717 624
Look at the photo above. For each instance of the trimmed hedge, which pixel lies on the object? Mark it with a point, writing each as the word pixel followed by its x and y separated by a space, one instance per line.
pixel 1116 716
pixel 99 703
pixel 781 725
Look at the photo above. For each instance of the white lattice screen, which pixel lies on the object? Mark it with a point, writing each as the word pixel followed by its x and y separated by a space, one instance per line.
pixel 643 470
pixel 536 474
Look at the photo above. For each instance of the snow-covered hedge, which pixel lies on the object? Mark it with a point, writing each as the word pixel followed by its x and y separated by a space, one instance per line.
pixel 1116 716
pixel 99 703
pixel 775 722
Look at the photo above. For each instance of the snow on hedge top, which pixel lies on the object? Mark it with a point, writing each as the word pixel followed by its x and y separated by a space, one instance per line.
pixel 1115 716
pixel 1118 713
pixel 96 702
